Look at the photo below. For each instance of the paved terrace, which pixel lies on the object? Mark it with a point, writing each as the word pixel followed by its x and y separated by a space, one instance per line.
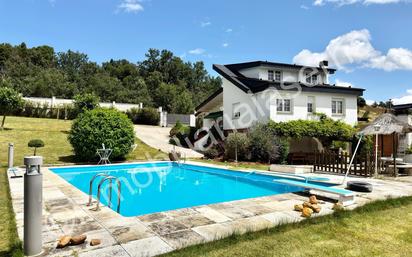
pixel 65 212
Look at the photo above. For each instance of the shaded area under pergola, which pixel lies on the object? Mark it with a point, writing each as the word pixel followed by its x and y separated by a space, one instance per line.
pixel 388 124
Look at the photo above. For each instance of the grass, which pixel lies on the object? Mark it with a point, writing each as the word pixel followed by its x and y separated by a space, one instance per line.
pixel 381 228
pixel 57 150
pixel 10 244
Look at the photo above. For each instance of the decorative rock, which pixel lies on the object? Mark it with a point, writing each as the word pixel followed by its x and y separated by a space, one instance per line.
pixel 63 241
pixel 307 212
pixel 316 208
pixel 337 207
pixel 313 200
pixel 78 240
pixel 307 205
pixel 298 207
pixel 95 242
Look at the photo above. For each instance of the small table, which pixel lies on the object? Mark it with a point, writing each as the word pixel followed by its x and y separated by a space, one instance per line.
pixel 104 155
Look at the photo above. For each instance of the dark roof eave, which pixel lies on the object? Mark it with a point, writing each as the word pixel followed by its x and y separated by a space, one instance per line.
pixel 216 93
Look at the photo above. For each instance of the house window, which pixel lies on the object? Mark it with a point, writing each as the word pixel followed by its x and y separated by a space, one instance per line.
pixel 337 106
pixel 311 104
pixel 311 79
pixel 314 79
pixel 278 76
pixel 235 111
pixel 283 105
pixel 270 75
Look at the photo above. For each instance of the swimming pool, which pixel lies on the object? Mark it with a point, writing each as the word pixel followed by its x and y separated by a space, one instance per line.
pixel 162 186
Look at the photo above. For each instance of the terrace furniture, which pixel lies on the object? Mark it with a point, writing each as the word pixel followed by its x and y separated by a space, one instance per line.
pixel 104 155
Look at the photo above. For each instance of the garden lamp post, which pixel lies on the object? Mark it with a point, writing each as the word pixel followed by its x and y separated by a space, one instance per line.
pixel 377 129
pixel 33 204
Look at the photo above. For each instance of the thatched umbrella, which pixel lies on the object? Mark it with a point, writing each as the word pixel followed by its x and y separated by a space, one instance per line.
pixel 388 124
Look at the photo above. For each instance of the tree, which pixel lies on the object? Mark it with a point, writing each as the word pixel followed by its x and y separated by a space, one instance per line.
pixel 86 102
pixel 10 100
pixel 361 102
pixel 35 143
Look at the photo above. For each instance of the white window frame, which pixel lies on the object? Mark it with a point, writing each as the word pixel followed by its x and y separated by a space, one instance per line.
pixel 271 75
pixel 312 101
pixel 278 73
pixel 281 105
pixel 235 111
pixel 335 107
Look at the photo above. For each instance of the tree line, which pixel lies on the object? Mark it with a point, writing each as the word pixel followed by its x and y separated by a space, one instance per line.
pixel 161 79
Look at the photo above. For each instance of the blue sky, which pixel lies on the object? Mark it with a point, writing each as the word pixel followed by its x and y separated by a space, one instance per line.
pixel 370 41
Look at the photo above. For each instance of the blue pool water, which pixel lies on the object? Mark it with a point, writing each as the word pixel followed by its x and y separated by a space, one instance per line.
pixel 155 187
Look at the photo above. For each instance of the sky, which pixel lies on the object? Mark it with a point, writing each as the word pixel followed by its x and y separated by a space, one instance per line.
pixel 368 41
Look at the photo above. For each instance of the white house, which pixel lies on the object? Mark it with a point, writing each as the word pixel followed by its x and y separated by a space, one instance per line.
pixel 261 91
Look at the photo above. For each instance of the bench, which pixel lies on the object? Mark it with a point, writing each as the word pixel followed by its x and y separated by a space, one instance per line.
pixel 346 197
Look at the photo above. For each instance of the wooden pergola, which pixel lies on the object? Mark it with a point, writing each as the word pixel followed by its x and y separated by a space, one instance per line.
pixel 388 124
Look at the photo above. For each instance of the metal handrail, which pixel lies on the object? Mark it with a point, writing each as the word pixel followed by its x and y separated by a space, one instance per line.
pixel 119 189
pixel 91 186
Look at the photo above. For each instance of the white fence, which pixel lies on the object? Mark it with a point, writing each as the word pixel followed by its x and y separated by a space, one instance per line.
pixel 54 102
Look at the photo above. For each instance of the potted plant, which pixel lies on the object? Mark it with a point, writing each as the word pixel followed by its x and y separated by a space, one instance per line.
pixel 35 143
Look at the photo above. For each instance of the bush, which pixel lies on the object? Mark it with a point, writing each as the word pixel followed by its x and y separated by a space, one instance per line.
pixel 213 152
pixel 85 102
pixel 241 142
pixel 101 126
pixel 181 134
pixel 146 116
pixel 35 143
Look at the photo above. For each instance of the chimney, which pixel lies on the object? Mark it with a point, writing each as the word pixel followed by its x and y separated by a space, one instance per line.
pixel 323 63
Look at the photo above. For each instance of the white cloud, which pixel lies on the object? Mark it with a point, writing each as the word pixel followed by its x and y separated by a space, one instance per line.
pixel 364 2
pixel 370 102
pixel 205 24
pixel 355 49
pixel 304 7
pixel 130 6
pixel 341 83
pixel 406 99
pixel 229 30
pixel 197 51
pixel 395 59
pixel 225 44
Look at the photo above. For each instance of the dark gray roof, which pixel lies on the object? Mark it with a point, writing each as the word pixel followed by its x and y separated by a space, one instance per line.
pixel 253 85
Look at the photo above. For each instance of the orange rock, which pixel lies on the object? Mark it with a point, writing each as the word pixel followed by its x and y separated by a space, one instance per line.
pixel 307 205
pixel 313 199
pixel 307 212
pixel 298 207
pixel 78 240
pixel 63 241
pixel 316 208
pixel 95 242
pixel 337 207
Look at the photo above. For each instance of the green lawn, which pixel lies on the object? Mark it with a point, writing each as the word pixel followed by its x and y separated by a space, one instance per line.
pixel 9 243
pixel 57 150
pixel 377 229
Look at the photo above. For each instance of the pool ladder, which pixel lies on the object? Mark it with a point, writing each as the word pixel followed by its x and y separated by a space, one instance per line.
pixel 104 179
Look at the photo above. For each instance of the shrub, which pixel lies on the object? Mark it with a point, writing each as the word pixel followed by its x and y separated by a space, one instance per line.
pixel 213 152
pixel 85 102
pixel 146 116
pixel 181 134
pixel 265 146
pixel 101 126
pixel 35 143
pixel 237 141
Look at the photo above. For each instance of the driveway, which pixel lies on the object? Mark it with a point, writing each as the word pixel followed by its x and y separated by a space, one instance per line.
pixel 158 138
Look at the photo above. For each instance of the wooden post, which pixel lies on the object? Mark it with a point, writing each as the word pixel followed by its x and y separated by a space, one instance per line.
pixel 395 153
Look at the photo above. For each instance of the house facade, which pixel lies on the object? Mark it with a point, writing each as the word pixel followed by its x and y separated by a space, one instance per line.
pixel 261 91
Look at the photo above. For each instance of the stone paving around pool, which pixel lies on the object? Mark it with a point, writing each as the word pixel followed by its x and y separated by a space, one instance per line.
pixel 65 213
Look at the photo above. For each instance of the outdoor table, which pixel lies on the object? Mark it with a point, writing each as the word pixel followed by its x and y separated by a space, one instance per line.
pixel 104 155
